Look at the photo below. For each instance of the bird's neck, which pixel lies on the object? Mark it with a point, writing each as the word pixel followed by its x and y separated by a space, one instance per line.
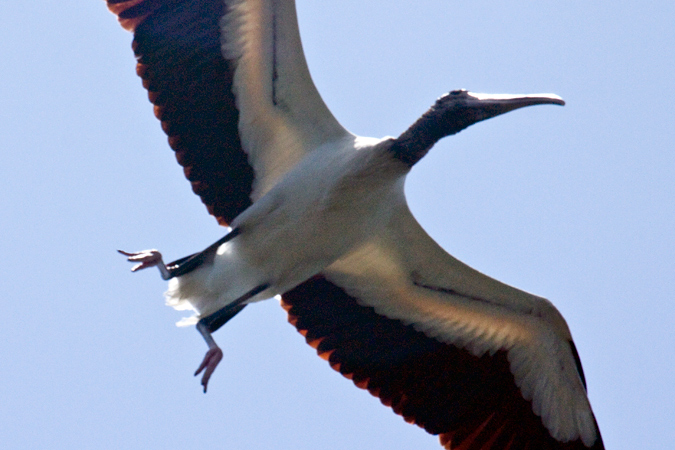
pixel 415 142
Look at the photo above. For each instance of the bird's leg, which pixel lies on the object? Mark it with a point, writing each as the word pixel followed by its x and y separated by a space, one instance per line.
pixel 211 323
pixel 212 357
pixel 148 258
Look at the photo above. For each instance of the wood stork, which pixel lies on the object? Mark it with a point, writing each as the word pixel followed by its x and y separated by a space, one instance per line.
pixel 318 216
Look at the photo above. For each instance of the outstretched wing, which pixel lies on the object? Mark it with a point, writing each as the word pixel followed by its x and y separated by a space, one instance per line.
pixel 478 362
pixel 232 90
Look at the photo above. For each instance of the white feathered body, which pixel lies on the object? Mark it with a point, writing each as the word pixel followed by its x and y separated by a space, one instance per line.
pixel 329 204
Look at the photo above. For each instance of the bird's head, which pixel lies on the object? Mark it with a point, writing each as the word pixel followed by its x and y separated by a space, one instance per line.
pixel 454 112
pixel 460 109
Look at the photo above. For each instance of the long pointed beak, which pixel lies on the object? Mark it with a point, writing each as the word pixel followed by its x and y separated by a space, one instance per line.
pixel 522 100
pixel 491 105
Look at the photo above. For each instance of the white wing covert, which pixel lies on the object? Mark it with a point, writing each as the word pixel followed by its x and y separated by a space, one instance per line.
pixel 282 115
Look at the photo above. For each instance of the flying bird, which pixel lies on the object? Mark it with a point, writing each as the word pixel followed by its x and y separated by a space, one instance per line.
pixel 318 216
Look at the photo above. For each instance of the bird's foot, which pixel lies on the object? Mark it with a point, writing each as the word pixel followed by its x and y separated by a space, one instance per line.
pixel 209 364
pixel 145 259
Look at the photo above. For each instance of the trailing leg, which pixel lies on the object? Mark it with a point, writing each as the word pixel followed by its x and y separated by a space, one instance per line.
pixel 211 323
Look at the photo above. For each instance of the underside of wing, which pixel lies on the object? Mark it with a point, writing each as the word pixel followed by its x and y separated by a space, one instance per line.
pixel 457 354
pixel 232 90
pixel 177 44
pixel 472 402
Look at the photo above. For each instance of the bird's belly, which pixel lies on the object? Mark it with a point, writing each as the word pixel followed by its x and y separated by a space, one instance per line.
pixel 285 243
pixel 292 244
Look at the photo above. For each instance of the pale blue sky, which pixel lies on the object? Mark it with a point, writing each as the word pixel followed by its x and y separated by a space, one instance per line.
pixel 575 204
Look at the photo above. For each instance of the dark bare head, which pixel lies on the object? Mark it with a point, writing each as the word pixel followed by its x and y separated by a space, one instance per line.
pixel 456 111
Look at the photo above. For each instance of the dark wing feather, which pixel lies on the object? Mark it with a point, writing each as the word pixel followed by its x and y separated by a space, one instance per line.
pixel 177 44
pixel 471 402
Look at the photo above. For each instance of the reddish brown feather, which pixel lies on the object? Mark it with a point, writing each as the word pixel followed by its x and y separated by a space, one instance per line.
pixel 121 8
pixel 471 402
